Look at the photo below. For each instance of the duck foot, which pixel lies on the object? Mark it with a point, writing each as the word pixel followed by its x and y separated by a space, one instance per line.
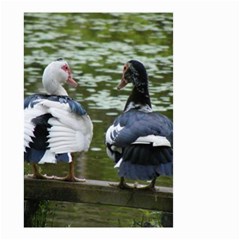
pixel 37 175
pixel 123 185
pixel 70 178
pixel 150 187
pixel 40 176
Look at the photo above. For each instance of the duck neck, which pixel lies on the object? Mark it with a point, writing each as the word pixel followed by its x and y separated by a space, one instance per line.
pixel 54 88
pixel 139 98
pixel 60 91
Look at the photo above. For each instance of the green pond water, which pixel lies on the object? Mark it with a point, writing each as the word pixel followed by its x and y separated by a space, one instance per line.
pixel 96 46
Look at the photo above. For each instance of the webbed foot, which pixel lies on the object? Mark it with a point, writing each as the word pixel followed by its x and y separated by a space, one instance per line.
pixel 70 178
pixel 123 185
pixel 40 176
pixel 150 187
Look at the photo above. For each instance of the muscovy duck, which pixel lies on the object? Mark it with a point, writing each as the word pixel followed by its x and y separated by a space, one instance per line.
pixel 140 141
pixel 55 125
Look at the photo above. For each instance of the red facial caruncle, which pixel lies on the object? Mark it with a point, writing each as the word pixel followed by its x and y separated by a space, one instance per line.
pixel 70 80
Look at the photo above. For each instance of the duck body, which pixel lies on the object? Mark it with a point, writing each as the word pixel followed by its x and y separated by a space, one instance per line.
pixel 140 141
pixel 140 144
pixel 55 125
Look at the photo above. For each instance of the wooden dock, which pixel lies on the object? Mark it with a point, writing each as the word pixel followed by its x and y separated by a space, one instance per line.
pixel 97 192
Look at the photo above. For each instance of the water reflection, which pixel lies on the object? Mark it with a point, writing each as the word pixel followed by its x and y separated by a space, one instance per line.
pixel 96 46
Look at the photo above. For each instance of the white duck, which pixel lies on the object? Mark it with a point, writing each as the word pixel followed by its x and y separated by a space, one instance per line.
pixel 54 124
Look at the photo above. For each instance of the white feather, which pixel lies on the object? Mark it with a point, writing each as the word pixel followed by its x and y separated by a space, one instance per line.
pixel 69 132
pixel 54 104
pixel 117 165
pixel 55 134
pixel 58 139
pixel 27 138
pixel 110 154
pixel 48 157
pixel 28 129
pixel 29 114
pixel 142 108
pixel 116 149
pixel 111 129
pixel 155 140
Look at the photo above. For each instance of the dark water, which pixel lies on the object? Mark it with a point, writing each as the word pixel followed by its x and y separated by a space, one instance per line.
pixel 96 47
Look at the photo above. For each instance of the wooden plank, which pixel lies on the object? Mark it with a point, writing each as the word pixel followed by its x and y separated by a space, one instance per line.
pixel 98 192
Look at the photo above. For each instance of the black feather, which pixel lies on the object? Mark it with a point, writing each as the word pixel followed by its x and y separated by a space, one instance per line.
pixel 40 132
pixel 75 106
pixel 141 161
pixel 146 154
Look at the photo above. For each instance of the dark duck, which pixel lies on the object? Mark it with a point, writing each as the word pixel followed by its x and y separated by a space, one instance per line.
pixel 140 141
pixel 55 125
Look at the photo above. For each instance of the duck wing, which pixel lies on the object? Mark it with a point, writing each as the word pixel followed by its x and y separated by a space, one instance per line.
pixel 140 127
pixel 63 122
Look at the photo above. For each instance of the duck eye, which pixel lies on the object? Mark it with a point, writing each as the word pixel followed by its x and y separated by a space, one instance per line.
pixel 65 67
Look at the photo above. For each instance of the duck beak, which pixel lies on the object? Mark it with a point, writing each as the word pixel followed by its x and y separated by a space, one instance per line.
pixel 71 81
pixel 122 84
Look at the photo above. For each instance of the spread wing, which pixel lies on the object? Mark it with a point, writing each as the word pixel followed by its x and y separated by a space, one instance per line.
pixel 64 121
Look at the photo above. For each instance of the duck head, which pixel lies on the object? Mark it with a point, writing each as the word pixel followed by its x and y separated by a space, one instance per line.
pixel 134 72
pixel 55 75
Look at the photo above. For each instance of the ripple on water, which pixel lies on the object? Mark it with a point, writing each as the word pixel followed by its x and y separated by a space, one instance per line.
pixel 96 149
pixel 112 113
